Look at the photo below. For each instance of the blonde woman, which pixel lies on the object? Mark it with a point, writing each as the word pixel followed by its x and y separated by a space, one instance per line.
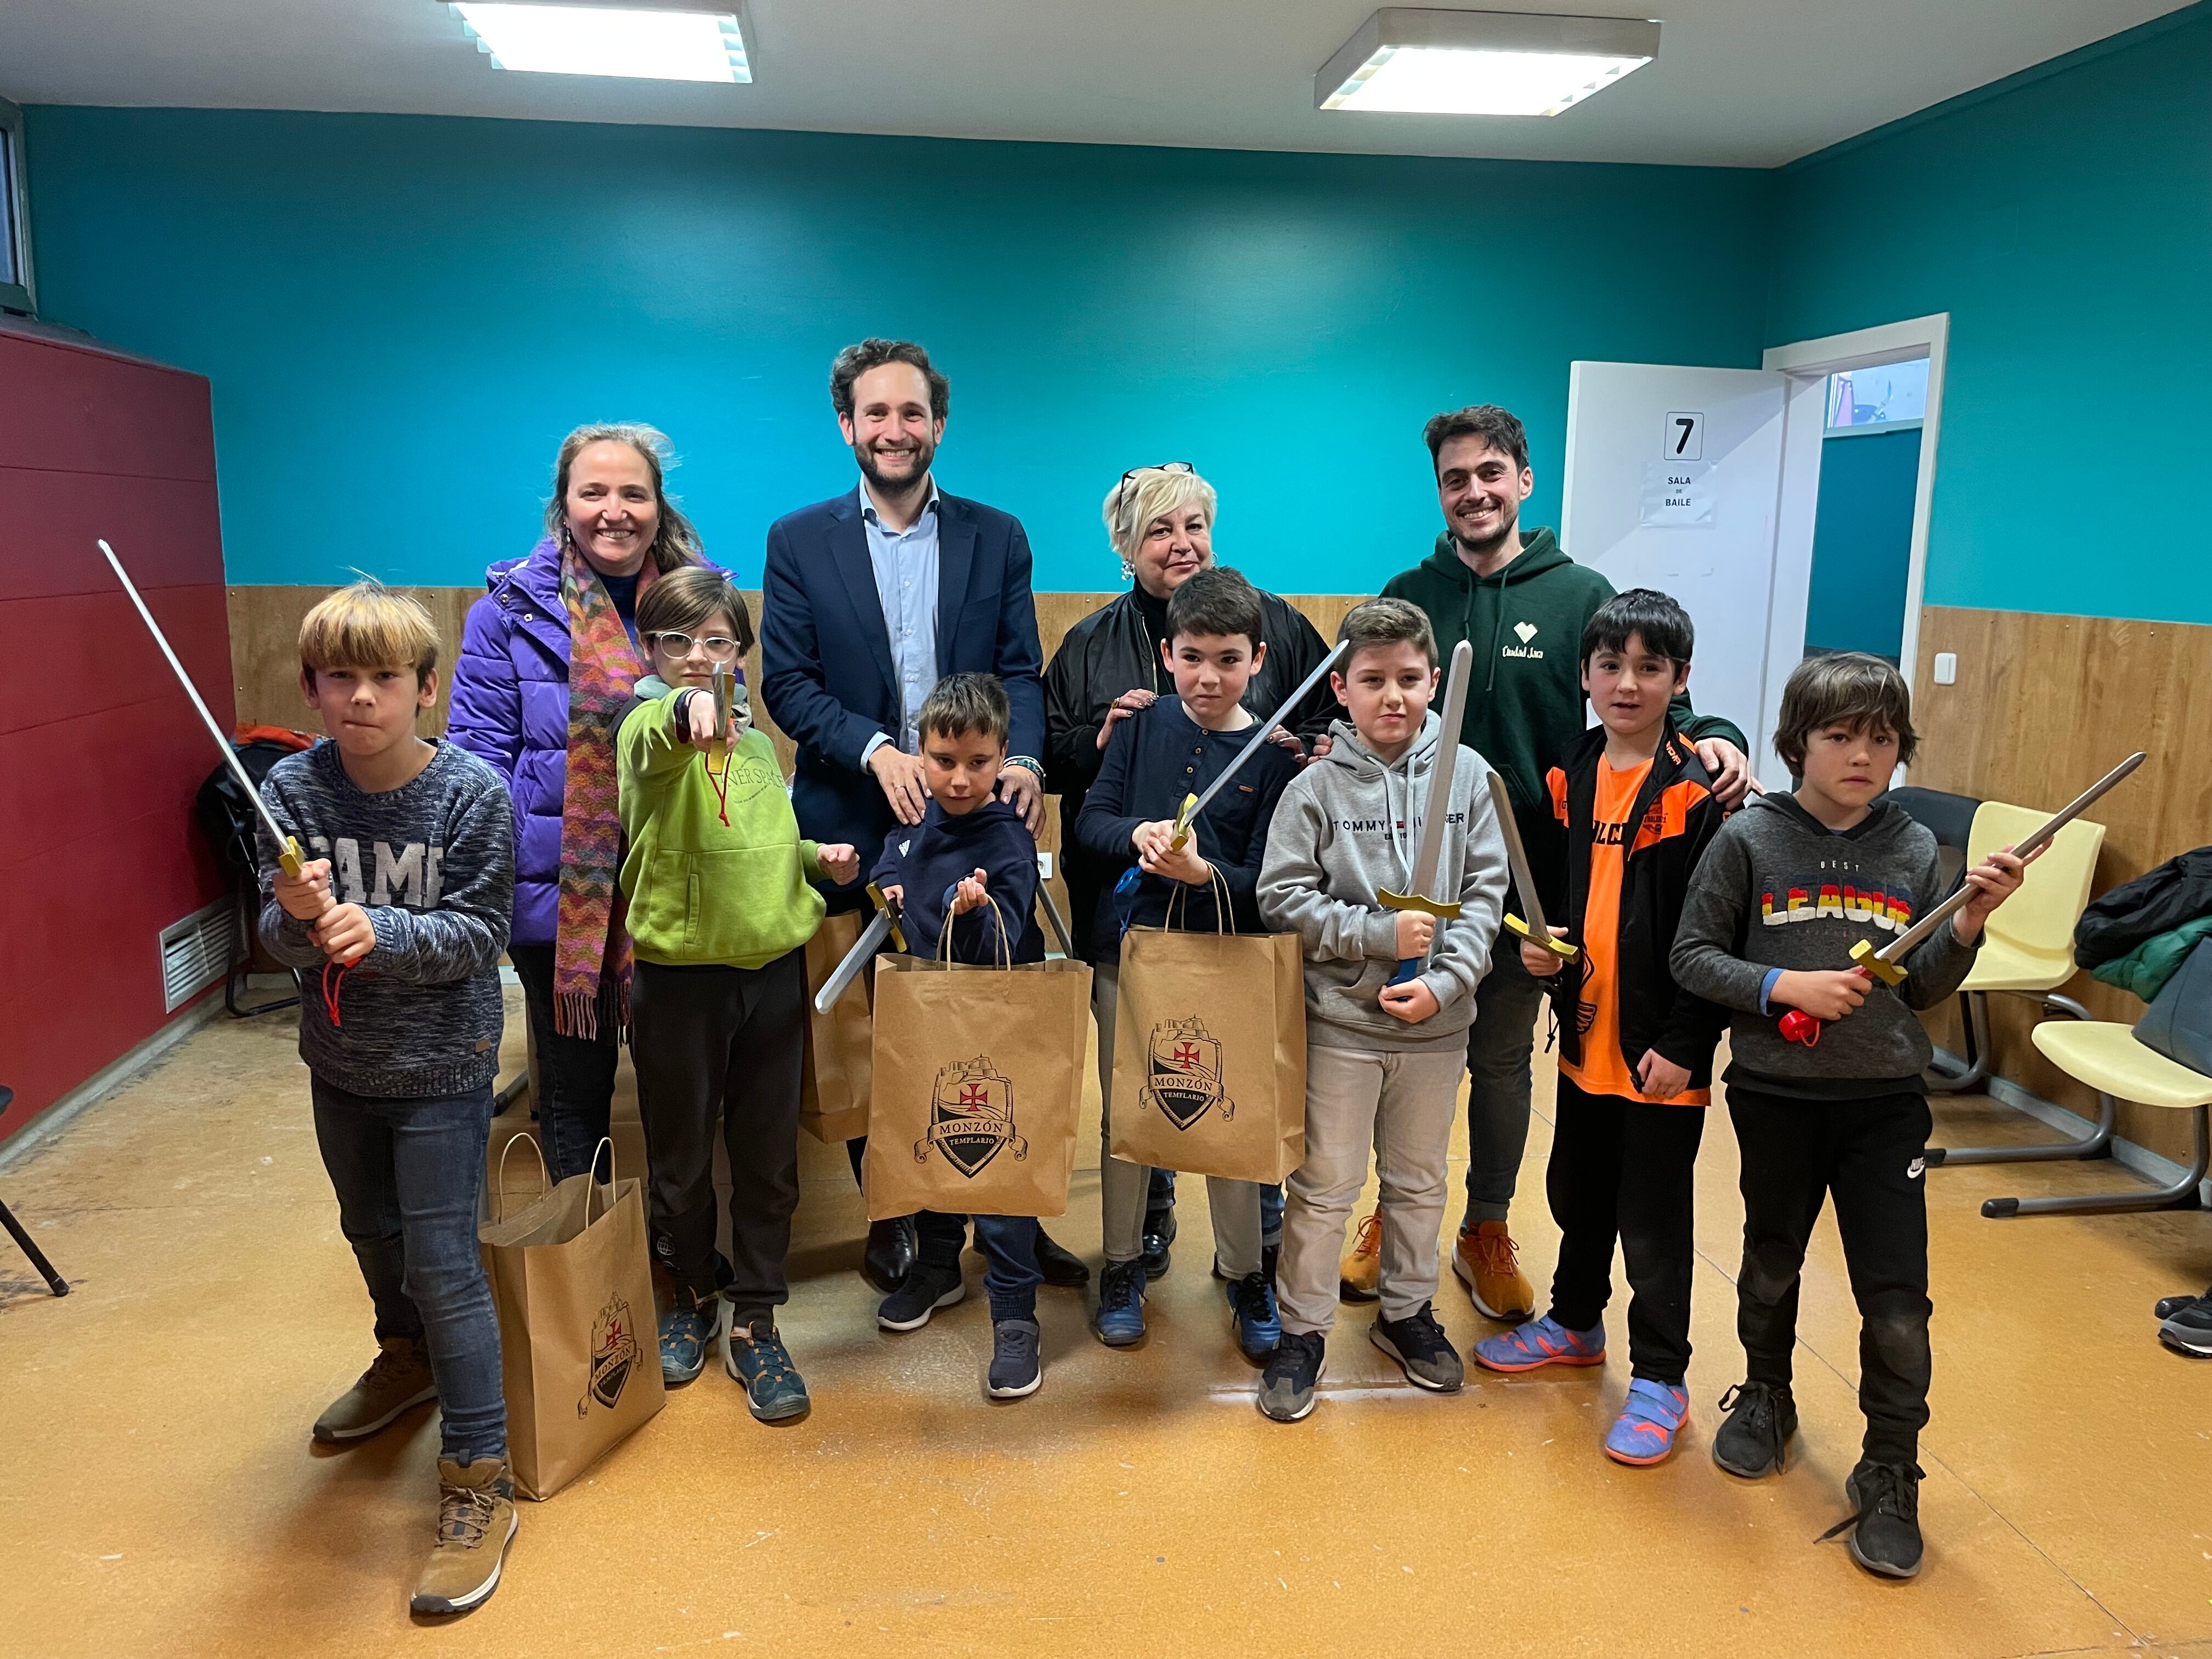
pixel 1159 521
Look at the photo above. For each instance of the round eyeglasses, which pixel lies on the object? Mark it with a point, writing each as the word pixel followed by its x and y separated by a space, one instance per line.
pixel 719 648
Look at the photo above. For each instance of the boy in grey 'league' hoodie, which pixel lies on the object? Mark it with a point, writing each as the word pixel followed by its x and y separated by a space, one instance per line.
pixel 1787 888
pixel 1382 1060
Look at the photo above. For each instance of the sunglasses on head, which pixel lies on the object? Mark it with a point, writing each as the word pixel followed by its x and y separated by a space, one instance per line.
pixel 1122 490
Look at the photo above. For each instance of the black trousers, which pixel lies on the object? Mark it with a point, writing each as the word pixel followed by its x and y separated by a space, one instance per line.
pixel 576 1075
pixel 709 1041
pixel 1870 1153
pixel 1624 1169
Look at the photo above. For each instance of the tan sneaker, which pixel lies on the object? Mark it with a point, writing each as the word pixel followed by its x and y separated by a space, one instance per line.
pixel 1486 1260
pixel 398 1379
pixel 476 1523
pixel 1361 1270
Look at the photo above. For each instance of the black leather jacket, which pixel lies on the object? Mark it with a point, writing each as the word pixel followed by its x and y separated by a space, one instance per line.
pixel 1115 650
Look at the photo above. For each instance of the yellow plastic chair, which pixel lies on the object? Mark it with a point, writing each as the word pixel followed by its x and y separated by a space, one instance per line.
pixel 2106 1056
pixel 2028 951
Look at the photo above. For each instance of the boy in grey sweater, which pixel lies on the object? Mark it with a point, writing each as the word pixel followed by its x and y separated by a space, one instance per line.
pixel 1382 1060
pixel 1787 888
pixel 396 923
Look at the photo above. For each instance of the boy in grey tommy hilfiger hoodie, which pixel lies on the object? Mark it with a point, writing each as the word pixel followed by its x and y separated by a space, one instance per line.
pixel 1382 1061
pixel 1787 888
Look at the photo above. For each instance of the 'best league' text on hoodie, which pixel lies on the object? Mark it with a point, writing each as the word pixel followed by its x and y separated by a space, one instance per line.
pixel 1780 889
pixel 1345 828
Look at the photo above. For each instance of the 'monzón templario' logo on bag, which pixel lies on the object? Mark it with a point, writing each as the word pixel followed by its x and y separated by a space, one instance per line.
pixel 614 1355
pixel 971 1116
pixel 1184 1068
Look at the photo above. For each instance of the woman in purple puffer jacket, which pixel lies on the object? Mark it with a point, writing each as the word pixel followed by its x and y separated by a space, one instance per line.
pixel 547 663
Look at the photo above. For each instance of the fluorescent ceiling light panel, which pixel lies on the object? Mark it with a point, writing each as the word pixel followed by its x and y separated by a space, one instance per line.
pixel 673 44
pixel 1481 62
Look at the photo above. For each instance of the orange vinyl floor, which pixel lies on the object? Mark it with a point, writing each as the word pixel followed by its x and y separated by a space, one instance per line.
pixel 159 1495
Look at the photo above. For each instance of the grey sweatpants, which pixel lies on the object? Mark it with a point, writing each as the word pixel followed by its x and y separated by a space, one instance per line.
pixel 1401 1106
pixel 1121 1187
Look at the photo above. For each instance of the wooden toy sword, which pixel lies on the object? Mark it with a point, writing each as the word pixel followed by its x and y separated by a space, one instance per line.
pixel 884 926
pixel 1424 873
pixel 1534 930
pixel 289 854
pixel 1194 805
pixel 1887 964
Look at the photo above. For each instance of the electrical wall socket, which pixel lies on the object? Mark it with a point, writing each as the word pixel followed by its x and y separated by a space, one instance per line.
pixel 1044 866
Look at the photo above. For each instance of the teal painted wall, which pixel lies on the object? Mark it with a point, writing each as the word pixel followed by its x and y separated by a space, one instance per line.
pixel 401 315
pixel 1862 543
pixel 2066 225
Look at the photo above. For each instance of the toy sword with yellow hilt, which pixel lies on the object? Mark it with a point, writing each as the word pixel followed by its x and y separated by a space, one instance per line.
pixel 289 854
pixel 1194 805
pixel 1887 964
pixel 886 926
pixel 1535 929
pixel 1426 874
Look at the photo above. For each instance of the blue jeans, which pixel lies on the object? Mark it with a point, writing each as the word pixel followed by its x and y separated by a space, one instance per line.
pixel 408 1175
pixel 1499 1045
pixel 576 1075
pixel 1008 1243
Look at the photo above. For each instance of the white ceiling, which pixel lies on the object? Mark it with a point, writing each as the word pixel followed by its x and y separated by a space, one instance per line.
pixel 1737 82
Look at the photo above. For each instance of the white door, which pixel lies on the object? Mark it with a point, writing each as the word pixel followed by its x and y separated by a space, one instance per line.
pixel 1673 481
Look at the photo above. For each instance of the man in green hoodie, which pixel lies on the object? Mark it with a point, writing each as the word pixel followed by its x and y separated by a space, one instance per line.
pixel 1523 603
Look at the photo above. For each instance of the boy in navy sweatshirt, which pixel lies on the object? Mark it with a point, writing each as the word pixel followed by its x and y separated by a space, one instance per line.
pixel 402 910
pixel 973 861
pixel 1158 755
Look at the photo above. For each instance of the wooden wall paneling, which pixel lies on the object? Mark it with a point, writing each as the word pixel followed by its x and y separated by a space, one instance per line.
pixel 2044 706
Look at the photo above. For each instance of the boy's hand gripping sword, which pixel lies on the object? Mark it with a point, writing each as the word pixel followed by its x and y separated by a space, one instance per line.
pixel 1194 805
pixel 884 926
pixel 1535 930
pixel 289 854
pixel 1887 964
pixel 1426 870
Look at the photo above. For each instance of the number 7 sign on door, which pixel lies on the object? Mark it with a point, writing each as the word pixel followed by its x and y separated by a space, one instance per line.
pixel 1685 438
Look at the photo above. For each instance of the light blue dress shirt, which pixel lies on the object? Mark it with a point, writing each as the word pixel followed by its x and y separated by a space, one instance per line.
pixel 905 564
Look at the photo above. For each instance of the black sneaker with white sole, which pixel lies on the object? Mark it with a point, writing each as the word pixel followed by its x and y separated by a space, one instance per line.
pixel 927 1288
pixel 1754 1441
pixel 2188 1328
pixel 1293 1373
pixel 1885 1520
pixel 1016 1370
pixel 1422 1349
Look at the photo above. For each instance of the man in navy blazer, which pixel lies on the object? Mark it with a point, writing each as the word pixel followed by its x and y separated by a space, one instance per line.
pixel 871 597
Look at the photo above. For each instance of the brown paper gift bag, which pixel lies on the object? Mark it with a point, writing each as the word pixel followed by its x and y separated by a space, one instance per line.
pixel 834 1065
pixel 1210 1053
pixel 572 1283
pixel 978 1086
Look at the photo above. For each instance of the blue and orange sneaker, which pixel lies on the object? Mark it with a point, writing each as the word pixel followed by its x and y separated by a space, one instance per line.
pixel 1644 1432
pixel 1540 1342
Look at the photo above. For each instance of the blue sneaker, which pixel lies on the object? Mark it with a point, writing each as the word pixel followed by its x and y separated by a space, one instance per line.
pixel 775 1391
pixel 1540 1342
pixel 1253 1316
pixel 1646 1430
pixel 685 1330
pixel 1119 1319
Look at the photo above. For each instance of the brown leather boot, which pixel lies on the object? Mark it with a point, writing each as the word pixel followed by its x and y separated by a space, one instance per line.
pixel 476 1523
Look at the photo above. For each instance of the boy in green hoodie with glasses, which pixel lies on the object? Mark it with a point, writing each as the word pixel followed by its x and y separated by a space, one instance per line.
pixel 1523 603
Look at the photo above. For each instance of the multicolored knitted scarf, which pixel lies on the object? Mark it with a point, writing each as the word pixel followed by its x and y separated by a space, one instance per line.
pixel 591 945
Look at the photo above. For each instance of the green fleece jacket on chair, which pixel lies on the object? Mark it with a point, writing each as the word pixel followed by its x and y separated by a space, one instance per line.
pixel 703 890
pixel 1525 709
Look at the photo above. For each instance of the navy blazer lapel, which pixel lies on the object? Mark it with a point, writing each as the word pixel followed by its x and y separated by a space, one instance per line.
pixel 848 550
pixel 956 556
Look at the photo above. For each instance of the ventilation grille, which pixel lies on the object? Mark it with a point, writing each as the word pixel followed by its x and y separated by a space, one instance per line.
pixel 195 952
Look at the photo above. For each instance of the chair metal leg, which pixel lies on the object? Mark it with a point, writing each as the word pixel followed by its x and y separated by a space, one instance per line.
pixel 1974 1022
pixel 2097 1143
pixel 2181 1194
pixel 55 1282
